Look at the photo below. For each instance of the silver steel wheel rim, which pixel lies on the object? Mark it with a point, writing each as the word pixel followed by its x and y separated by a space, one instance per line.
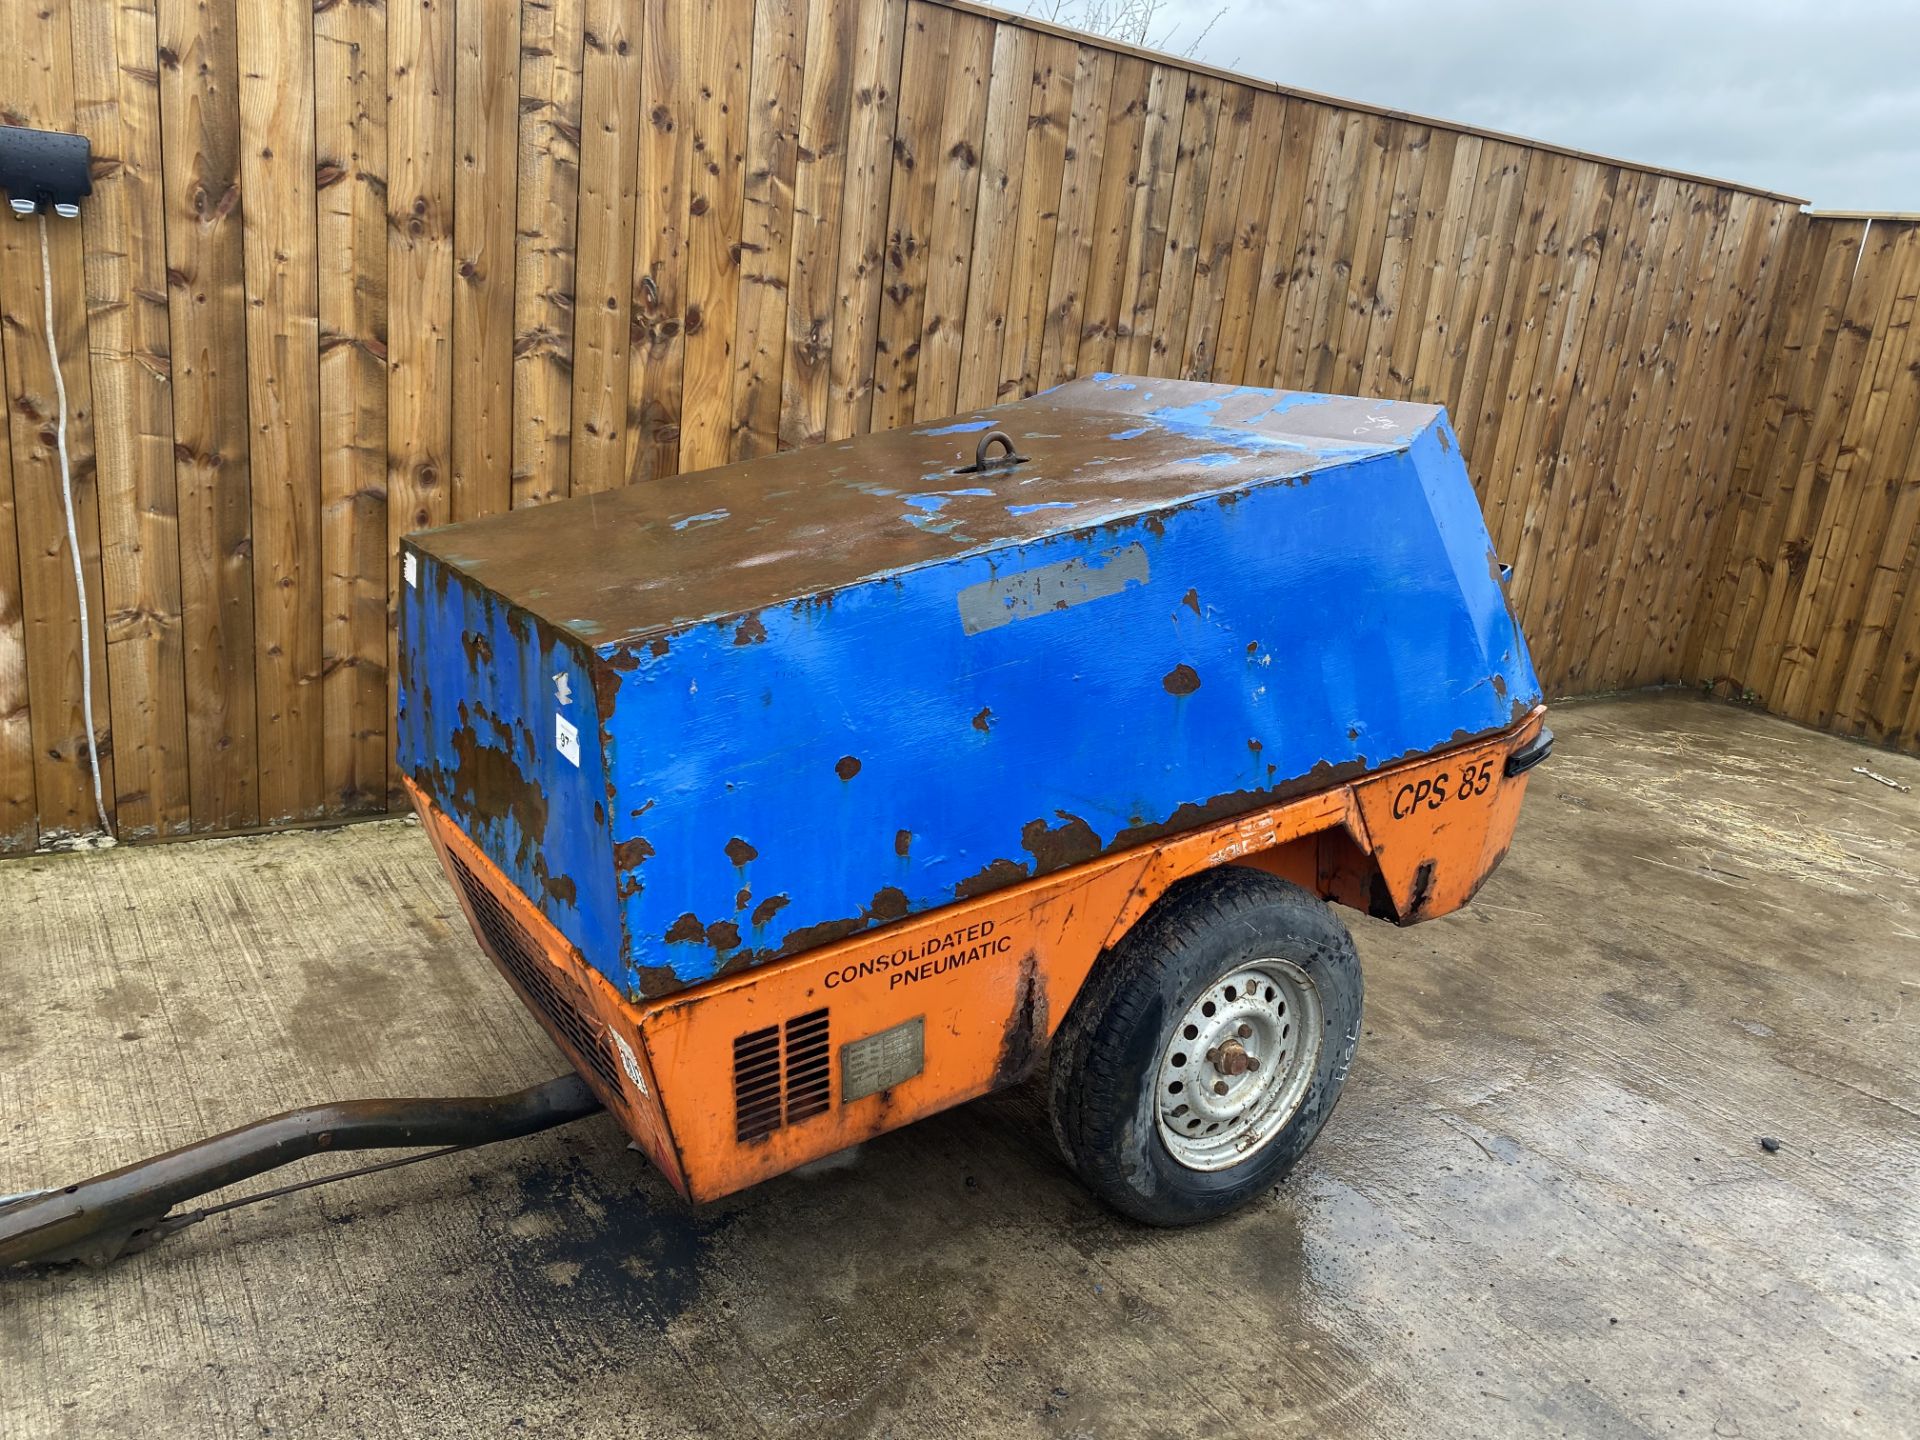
pixel 1212 1113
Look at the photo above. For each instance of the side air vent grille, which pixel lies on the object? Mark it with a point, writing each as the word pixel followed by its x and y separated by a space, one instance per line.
pixel 781 1075
pixel 516 951
pixel 756 1084
pixel 809 1067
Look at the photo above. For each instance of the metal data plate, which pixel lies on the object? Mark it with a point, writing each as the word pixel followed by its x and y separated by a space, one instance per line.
pixel 882 1061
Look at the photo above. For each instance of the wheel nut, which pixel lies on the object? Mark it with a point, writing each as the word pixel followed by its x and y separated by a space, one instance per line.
pixel 1231 1058
pixel 1246 1031
pixel 1219 1087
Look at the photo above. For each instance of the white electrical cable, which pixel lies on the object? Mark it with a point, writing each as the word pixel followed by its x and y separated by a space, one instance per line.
pixel 73 539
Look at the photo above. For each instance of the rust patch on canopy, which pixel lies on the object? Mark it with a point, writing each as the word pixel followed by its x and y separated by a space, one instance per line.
pixel 1058 846
pixel 888 904
pixel 989 878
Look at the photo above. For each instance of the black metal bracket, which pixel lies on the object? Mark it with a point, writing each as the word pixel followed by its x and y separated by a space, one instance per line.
pixel 1530 754
pixel 128 1209
pixel 45 170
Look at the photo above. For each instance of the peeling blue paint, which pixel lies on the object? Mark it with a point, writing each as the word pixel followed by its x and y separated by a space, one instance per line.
pixel 1042 505
pixel 937 499
pixel 476 726
pixel 707 518
pixel 1296 399
pixel 961 428
pixel 1129 434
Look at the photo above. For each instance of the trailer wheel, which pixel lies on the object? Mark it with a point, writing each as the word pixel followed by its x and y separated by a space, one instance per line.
pixel 1207 1048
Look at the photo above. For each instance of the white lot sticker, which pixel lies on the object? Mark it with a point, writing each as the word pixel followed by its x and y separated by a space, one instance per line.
pixel 410 563
pixel 629 1062
pixel 566 738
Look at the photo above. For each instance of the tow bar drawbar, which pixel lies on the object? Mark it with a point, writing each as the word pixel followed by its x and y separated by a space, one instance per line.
pixel 129 1209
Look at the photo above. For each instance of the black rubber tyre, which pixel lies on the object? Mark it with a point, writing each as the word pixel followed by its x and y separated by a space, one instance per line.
pixel 1107 1055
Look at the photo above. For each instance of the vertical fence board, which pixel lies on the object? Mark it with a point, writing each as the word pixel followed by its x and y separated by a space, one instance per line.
pixel 1394 167
pixel 350 159
pixel 1200 128
pixel 1600 543
pixel 1241 281
pixel 773 132
pixel 956 195
pixel 1572 478
pixel 1167 92
pixel 1540 488
pixel 200 129
pixel 656 362
pixel 1825 435
pixel 910 241
pixel 546 207
pixel 1423 355
pixel 283 391
pixel 117 99
pixel 1014 76
pixel 1220 231
pixel 485 203
pixel 1107 230
pixel 1481 305
pixel 604 241
pixel 19 809
pixel 1079 200
pixel 863 223
pixel 1745 303
pixel 420 179
pixel 1406 265
pixel 1822 630
pixel 826 110
pixel 716 62
pixel 1042 171
pixel 1810 327
pixel 1305 137
pixel 1883 561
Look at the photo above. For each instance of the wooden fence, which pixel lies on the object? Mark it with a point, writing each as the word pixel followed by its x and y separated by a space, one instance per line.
pixel 1814 604
pixel 351 269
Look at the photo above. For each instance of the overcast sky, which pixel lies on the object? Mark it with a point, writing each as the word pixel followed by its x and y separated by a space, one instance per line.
pixel 1816 98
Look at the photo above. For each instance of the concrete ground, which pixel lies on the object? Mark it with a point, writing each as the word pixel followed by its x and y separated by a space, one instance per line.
pixel 1541 1209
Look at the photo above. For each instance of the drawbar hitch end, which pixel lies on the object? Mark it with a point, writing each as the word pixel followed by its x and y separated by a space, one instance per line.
pixel 129 1209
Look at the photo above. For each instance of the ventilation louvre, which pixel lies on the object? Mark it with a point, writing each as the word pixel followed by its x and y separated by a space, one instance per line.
pixel 781 1076
pixel 809 1067
pixel 517 953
